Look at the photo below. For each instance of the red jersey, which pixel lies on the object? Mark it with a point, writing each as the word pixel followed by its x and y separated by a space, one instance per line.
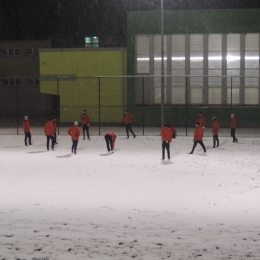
pixel 128 118
pixel 202 121
pixel 74 132
pixel 113 138
pixel 85 119
pixel 166 134
pixel 215 127
pixel 48 129
pixel 233 122
pixel 198 133
pixel 26 126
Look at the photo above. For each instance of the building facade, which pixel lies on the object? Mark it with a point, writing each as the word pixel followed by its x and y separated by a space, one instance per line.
pixel 20 79
pixel 211 59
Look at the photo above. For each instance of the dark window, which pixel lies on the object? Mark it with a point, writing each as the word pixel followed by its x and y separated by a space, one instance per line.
pixel 11 81
pixel 18 82
pixel 37 82
pixel 5 82
pixel 10 52
pixel 30 82
pixel 29 51
pixel 36 51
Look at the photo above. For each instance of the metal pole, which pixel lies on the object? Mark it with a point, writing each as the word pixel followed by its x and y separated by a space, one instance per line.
pixel 162 66
pixel 17 106
pixel 143 102
pixel 99 99
pixel 231 95
pixel 186 101
pixel 58 96
pixel 123 82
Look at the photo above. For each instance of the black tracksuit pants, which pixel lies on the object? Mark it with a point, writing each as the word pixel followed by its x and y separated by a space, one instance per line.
pixel 27 135
pixel 128 128
pixel 215 139
pixel 74 146
pixel 198 142
pixel 50 137
pixel 108 139
pixel 165 145
pixel 85 128
pixel 233 134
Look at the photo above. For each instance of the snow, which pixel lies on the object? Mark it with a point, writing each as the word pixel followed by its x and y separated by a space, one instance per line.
pixel 130 204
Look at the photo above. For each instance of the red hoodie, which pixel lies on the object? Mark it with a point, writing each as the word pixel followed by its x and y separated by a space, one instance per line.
pixel 198 133
pixel 128 118
pixel 215 127
pixel 49 129
pixel 113 138
pixel 202 121
pixel 74 132
pixel 85 119
pixel 166 134
pixel 26 126
pixel 233 122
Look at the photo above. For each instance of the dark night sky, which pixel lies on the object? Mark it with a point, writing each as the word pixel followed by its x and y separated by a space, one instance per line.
pixel 74 19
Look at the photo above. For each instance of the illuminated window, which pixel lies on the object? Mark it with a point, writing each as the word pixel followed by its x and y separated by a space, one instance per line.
pixel 214 68
pixel 233 67
pixel 142 54
pixel 196 68
pixel 230 61
pixel 157 66
pixel 251 68
pixel 92 42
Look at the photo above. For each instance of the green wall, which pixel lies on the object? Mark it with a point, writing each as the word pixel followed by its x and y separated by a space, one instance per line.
pixel 71 74
pixel 188 22
pixel 180 116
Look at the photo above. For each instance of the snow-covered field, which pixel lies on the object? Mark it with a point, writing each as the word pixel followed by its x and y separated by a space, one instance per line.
pixel 130 204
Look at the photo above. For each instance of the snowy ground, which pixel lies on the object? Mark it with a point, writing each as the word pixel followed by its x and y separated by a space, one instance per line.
pixel 130 204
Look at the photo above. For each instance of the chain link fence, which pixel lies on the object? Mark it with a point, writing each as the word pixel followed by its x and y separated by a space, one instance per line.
pixel 106 99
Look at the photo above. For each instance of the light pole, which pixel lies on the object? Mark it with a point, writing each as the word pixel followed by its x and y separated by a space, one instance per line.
pixel 162 66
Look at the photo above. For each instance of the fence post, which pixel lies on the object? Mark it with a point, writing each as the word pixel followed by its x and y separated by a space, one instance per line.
pixel 17 107
pixel 58 94
pixel 143 101
pixel 231 94
pixel 99 105
pixel 123 95
pixel 186 102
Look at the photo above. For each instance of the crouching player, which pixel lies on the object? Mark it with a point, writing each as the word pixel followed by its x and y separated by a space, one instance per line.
pixel 110 138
